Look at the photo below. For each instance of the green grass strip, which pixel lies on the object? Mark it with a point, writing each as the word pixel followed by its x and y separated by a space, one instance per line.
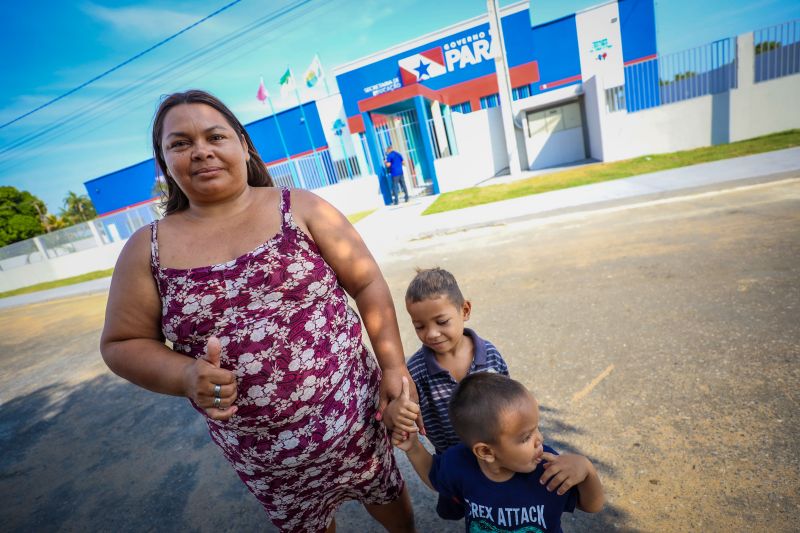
pixel 355 217
pixel 610 171
pixel 58 283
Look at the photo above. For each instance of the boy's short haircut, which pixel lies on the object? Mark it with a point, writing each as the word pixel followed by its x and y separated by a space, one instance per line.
pixel 478 402
pixel 432 283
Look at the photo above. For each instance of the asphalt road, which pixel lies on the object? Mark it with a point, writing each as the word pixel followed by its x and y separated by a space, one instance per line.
pixel 662 341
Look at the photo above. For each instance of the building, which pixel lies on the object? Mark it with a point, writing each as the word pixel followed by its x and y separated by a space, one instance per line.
pixel 590 85
pixel 424 96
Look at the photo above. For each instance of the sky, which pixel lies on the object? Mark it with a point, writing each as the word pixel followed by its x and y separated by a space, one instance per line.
pixel 105 125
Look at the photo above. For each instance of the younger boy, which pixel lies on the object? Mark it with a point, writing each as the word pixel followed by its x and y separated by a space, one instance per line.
pixel 449 352
pixel 507 479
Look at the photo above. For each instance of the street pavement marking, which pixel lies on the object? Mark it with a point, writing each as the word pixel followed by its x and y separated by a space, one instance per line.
pixel 588 388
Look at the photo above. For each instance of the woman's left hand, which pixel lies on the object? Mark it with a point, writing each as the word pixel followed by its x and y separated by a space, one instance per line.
pixel 391 388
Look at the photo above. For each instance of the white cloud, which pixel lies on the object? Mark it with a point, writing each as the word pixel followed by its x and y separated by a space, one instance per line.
pixel 147 22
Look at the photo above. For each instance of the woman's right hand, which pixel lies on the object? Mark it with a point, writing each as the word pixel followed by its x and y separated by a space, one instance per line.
pixel 201 378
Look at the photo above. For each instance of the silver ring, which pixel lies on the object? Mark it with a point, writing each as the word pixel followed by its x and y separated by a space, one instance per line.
pixel 217 402
pixel 217 390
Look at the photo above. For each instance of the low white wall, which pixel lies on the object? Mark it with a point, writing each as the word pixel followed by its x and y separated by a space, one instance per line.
pixel 353 196
pixel 481 150
pixel 667 128
pixel 765 107
pixel 61 267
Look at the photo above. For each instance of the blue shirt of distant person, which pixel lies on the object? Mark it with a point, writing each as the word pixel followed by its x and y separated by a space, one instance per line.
pixel 394 164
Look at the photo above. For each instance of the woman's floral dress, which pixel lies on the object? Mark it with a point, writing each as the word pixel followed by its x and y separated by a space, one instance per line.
pixel 305 438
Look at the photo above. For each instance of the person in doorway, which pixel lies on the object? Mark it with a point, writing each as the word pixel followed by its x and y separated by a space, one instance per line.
pixel 249 283
pixel 394 168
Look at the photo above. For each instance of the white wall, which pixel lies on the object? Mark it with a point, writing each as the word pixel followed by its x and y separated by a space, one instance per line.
pixel 353 196
pixel 331 108
pixel 750 110
pixel 667 128
pixel 481 150
pixel 61 267
pixel 761 108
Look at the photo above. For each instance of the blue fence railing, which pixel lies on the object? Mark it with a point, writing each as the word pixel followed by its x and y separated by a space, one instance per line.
pixel 314 170
pixel 777 51
pixel 707 69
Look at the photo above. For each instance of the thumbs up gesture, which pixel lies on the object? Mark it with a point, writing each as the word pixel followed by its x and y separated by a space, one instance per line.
pixel 209 386
pixel 402 412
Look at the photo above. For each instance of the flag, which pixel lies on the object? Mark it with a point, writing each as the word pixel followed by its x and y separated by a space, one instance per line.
pixel 314 72
pixel 287 83
pixel 262 92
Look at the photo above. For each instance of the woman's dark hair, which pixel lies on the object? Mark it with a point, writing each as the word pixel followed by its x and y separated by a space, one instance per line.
pixel 479 401
pixel 173 200
pixel 432 283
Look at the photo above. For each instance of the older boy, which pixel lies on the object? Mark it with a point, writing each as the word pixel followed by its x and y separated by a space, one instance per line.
pixel 507 479
pixel 449 352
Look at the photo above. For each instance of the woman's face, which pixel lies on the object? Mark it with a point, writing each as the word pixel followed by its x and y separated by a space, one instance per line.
pixel 203 153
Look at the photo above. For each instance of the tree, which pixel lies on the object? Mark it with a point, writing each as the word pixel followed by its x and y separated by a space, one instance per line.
pixel 77 208
pixel 21 215
pixel 766 46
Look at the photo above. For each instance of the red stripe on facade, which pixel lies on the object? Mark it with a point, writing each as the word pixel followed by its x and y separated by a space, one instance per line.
pixel 524 74
pixel 471 91
pixel 301 154
pixel 640 60
pixel 558 83
pixel 121 209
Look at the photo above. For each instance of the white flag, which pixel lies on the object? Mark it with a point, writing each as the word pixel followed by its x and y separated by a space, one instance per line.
pixel 314 73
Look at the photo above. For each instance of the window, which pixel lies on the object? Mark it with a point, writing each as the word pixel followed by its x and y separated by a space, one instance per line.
pixel 464 107
pixel 493 100
pixel 521 92
pixel 559 118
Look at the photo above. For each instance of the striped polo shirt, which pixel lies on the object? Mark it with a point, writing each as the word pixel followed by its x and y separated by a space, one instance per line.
pixel 436 386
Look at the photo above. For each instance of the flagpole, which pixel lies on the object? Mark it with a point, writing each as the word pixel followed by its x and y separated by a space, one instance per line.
pixel 296 176
pixel 324 76
pixel 323 174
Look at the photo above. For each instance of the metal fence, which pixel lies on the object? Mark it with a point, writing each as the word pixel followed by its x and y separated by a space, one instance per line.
pixel 777 51
pixel 314 170
pixel 61 242
pixel 707 69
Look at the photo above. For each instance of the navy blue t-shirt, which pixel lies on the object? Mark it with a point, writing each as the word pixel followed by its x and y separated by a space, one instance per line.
pixel 521 504
pixel 396 160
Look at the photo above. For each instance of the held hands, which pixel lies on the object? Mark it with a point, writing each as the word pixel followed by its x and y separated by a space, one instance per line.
pixel 402 412
pixel 564 471
pixel 404 441
pixel 391 389
pixel 201 379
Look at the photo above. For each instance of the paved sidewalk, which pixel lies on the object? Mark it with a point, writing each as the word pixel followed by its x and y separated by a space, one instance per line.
pixel 391 226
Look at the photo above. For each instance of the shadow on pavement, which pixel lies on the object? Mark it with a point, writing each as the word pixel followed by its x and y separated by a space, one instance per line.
pixel 108 456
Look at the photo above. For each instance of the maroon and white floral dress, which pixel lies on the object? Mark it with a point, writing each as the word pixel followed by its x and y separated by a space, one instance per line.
pixel 305 438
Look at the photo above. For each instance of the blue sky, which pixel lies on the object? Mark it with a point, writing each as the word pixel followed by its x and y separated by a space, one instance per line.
pixel 105 126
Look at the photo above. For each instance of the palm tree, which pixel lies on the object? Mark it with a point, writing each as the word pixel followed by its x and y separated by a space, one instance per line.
pixel 77 208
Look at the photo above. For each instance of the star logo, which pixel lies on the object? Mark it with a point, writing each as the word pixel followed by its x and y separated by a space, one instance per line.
pixel 422 69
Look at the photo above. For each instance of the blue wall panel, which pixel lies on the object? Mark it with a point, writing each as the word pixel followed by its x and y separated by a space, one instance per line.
pixel 555 46
pixel 638 28
pixel 122 188
pixel 134 184
pixel 264 132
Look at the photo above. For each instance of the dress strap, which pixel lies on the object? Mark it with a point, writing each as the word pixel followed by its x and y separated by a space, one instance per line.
pixel 155 263
pixel 286 209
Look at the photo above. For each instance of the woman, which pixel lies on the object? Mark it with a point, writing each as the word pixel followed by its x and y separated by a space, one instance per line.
pixel 248 283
